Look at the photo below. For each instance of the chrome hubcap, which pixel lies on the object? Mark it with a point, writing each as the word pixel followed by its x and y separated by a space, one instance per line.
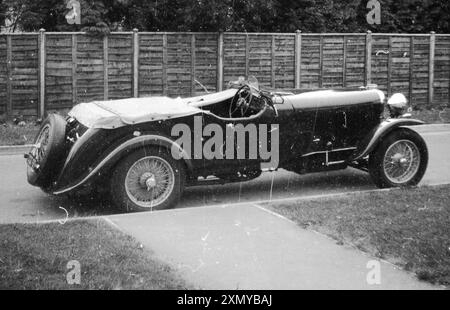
pixel 149 181
pixel 401 161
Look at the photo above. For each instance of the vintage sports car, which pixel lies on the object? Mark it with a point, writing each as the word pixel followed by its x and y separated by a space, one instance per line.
pixel 132 147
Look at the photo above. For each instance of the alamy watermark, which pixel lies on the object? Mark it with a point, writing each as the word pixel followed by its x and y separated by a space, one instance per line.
pixel 74 275
pixel 74 15
pixel 374 15
pixel 236 141
pixel 374 275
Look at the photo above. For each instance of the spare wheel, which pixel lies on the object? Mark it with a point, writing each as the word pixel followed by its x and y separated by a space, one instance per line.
pixel 47 154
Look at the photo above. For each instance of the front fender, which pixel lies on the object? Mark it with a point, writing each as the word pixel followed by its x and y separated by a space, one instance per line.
pixel 109 160
pixel 369 143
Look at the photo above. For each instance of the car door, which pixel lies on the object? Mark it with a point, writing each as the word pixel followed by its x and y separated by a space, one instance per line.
pixel 245 142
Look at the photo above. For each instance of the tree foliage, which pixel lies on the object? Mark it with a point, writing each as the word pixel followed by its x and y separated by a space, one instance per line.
pixel 102 16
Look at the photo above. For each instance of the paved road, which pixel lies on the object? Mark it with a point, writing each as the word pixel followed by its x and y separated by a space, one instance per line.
pixel 20 202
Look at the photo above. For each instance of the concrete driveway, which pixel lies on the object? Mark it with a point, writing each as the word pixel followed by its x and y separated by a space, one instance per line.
pixel 247 247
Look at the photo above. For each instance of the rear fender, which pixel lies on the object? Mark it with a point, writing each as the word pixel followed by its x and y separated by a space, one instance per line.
pixel 112 158
pixel 377 134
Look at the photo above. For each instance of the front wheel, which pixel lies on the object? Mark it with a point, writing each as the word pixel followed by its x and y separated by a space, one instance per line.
pixel 148 179
pixel 400 160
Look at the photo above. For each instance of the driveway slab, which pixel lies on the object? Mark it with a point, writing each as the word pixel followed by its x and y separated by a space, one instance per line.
pixel 247 247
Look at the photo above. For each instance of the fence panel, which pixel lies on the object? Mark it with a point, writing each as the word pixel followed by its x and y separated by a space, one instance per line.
pixel 179 61
pixel 120 66
pixel 23 75
pixel 310 62
pixel 90 66
pixel 442 70
pixel 399 65
pixel 58 72
pixel 284 61
pixel 355 60
pixel 53 71
pixel 205 62
pixel 234 58
pixel 332 61
pixel 151 64
pixel 419 83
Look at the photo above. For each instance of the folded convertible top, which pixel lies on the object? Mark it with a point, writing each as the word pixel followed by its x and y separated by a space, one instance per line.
pixel 117 113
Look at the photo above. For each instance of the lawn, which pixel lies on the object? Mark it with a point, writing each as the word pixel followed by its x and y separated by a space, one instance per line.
pixel 11 134
pixel 408 227
pixel 35 256
pixel 433 116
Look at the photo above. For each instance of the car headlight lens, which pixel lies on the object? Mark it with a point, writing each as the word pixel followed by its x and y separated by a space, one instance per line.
pixel 398 105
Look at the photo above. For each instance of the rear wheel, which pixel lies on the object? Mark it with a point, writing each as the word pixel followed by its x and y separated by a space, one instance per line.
pixel 400 160
pixel 46 155
pixel 148 179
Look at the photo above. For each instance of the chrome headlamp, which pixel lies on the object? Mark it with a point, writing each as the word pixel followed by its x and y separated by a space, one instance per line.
pixel 398 105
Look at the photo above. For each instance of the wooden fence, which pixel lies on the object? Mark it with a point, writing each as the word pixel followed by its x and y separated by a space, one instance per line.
pixel 42 72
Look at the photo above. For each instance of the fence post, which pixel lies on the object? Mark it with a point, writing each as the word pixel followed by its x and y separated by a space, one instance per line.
pixel 411 68
pixel 41 73
pixel 164 67
pixel 431 68
pixel 9 76
pixel 247 55
pixel 389 68
pixel 220 62
pixel 135 63
pixel 298 58
pixel 105 68
pixel 344 61
pixel 193 64
pixel 74 69
pixel 368 57
pixel 321 61
pixel 272 63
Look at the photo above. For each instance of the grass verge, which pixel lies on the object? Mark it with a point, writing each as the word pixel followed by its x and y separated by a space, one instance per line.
pixel 17 135
pixel 408 227
pixel 35 256
pixel 433 116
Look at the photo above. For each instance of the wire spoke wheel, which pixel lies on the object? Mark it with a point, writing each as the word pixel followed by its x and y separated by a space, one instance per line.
pixel 149 181
pixel 401 161
pixel 39 149
pixel 45 158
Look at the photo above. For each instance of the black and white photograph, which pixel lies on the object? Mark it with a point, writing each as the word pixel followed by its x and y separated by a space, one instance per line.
pixel 224 150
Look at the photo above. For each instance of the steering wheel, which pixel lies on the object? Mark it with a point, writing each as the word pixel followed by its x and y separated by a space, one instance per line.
pixel 241 102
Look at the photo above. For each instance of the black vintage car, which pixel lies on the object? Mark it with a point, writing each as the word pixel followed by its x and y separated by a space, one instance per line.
pixel 147 150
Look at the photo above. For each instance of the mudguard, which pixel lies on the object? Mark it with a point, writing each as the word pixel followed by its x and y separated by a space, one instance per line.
pixel 369 143
pixel 109 160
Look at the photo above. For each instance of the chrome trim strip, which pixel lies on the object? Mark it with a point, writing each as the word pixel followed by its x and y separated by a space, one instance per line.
pixel 335 162
pixel 115 152
pixel 336 150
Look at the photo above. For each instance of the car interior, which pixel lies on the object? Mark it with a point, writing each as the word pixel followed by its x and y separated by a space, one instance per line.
pixel 222 104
